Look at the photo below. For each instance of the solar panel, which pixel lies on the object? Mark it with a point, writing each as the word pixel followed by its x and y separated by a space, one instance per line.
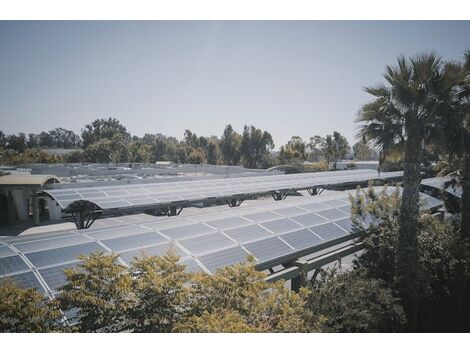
pixel 158 250
pixel 228 223
pixel 134 241
pixel 332 214
pixel 345 224
pixel 314 206
pixel 262 216
pixel 206 240
pixel 115 232
pixel 310 219
pixel 248 233
pixel 206 243
pixel 30 246
pixel 62 255
pixel 291 211
pixel 301 239
pixel 226 257
pixel 25 280
pixel 54 277
pixel 328 231
pixel 6 251
pixel 187 231
pixel 124 196
pixel 281 226
pixel 12 264
pixel 267 249
pixel 191 266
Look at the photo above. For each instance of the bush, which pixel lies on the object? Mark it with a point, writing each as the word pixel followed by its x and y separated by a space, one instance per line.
pixel 353 302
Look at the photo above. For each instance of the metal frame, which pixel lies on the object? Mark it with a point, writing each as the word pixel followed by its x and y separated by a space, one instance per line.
pixel 84 214
pixel 234 202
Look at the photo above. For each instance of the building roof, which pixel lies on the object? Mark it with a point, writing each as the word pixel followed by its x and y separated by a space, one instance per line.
pixel 27 180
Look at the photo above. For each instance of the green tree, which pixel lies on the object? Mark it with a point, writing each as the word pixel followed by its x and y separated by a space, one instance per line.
pixel 252 303
pixel 26 310
pixel 353 302
pixel 103 129
pixel 362 151
pixel 230 144
pixel 213 151
pixel 162 290
pixel 101 289
pixel 406 112
pixel 255 146
pixel 335 147
pixel 443 262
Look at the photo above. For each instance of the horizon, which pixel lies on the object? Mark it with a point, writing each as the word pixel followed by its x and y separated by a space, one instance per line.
pixel 285 77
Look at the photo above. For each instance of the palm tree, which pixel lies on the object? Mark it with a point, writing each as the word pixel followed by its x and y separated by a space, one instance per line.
pixel 465 213
pixel 406 114
pixel 458 142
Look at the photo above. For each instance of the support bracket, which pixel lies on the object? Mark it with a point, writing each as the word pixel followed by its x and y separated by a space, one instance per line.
pixel 234 202
pixel 279 195
pixel 172 211
pixel 84 214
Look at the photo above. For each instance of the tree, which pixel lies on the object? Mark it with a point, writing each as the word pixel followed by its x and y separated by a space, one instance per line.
pixel 315 148
pixel 230 144
pixel 443 302
pixel 26 310
pixel 405 113
pixel 103 129
pixel 293 152
pixel 252 303
pixel 213 151
pixel 457 129
pixel 353 302
pixel 362 151
pixel 101 289
pixel 162 292
pixel 335 147
pixel 255 146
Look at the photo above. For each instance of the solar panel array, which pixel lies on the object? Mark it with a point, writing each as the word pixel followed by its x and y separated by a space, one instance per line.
pixel 160 194
pixel 205 241
pixel 439 183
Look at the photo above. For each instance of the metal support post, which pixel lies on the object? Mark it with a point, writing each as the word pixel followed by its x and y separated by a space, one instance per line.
pixel 301 280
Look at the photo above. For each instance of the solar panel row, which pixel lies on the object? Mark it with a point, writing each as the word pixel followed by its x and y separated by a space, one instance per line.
pixel 152 194
pixel 204 241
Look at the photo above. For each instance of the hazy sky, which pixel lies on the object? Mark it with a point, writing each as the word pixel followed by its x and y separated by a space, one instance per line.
pixel 290 78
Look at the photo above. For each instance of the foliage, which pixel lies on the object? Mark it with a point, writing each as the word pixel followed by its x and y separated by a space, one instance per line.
pixel 156 295
pixel 260 306
pixel 293 152
pixel 255 146
pixel 335 147
pixel 443 264
pixel 101 289
pixel 103 129
pixel 408 113
pixel 362 151
pixel 353 302
pixel 230 144
pixel 161 289
pixel 26 310
pixel 316 167
pixel 35 155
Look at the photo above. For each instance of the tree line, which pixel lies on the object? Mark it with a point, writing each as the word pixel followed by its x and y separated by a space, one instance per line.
pixel 107 140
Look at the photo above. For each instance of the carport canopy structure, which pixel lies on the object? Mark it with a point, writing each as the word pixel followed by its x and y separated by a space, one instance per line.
pixel 274 233
pixel 171 197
